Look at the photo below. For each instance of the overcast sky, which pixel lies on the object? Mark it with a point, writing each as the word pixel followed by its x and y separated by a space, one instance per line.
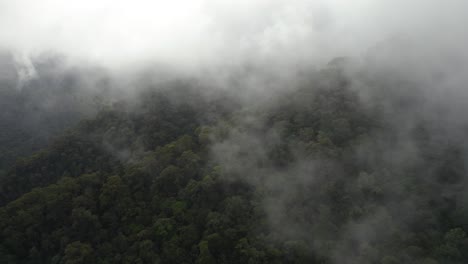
pixel 210 33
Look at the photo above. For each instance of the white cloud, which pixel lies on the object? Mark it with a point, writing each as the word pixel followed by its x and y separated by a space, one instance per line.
pixel 199 33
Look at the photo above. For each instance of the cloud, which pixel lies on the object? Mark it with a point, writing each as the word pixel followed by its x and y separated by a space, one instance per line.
pixel 208 33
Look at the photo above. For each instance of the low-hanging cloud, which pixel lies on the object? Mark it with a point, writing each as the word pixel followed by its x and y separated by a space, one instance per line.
pixel 410 61
pixel 207 34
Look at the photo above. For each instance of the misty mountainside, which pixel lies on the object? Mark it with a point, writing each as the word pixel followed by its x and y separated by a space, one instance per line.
pixel 36 108
pixel 332 170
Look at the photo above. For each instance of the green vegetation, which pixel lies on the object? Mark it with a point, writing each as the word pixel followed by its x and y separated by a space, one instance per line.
pixel 313 176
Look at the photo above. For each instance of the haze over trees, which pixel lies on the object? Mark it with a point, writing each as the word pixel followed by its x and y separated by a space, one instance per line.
pixel 286 131
pixel 314 175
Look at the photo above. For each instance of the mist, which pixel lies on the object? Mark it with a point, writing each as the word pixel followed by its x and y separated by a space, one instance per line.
pixel 345 118
pixel 204 35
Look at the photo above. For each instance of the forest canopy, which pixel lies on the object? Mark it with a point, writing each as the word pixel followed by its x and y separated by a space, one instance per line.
pixel 315 174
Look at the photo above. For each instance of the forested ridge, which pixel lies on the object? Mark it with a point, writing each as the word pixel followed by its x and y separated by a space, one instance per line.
pixel 34 113
pixel 315 174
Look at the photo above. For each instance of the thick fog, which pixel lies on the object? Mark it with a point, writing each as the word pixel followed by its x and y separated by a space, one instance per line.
pixel 201 34
pixel 406 58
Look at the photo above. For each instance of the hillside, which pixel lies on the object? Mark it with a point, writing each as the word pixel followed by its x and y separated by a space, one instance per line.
pixel 315 175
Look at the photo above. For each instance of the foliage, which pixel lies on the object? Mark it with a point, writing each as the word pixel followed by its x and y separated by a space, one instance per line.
pixel 139 184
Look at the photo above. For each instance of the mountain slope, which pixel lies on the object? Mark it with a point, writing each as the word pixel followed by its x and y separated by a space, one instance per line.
pixel 315 175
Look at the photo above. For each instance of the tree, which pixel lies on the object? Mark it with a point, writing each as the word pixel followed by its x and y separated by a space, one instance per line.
pixel 78 253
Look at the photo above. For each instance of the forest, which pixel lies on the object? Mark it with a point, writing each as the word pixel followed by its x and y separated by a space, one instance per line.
pixel 316 173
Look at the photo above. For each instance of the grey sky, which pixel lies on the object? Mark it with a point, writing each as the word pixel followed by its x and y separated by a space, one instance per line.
pixel 208 33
